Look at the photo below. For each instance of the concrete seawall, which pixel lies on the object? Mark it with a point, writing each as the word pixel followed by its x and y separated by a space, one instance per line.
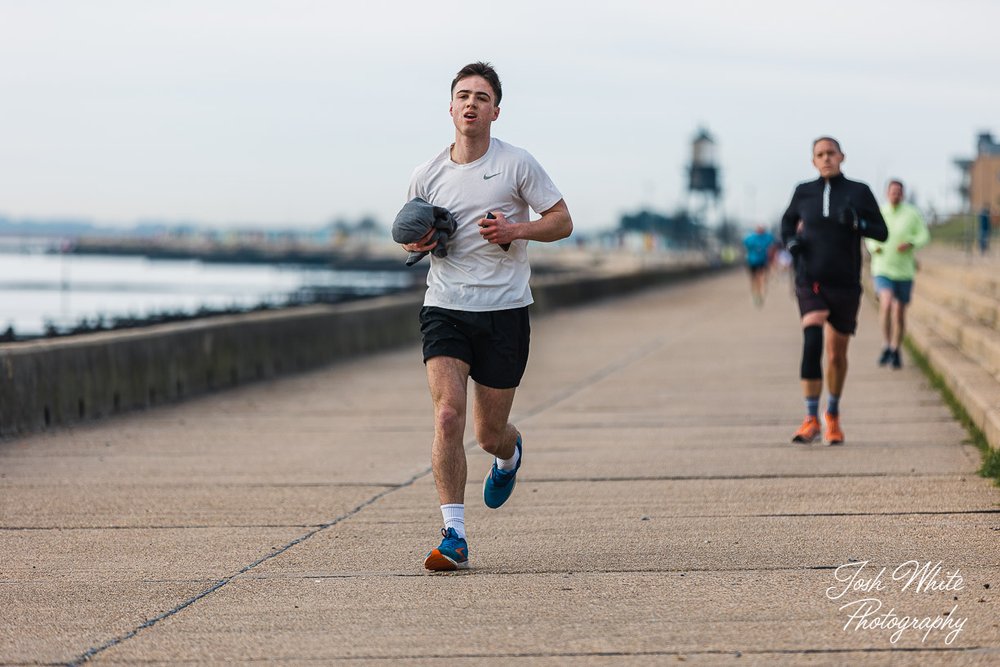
pixel 61 381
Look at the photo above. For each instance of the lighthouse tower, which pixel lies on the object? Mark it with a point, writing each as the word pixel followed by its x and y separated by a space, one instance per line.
pixel 704 191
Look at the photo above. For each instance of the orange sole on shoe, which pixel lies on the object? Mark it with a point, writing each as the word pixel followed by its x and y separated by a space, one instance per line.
pixel 438 562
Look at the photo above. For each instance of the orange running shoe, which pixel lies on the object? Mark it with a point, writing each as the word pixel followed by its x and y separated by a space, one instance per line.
pixel 833 435
pixel 809 431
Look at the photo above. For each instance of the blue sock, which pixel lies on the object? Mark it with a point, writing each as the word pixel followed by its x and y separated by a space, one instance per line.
pixel 833 405
pixel 812 406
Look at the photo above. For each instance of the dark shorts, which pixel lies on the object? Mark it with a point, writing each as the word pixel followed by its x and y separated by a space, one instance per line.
pixel 494 343
pixel 756 268
pixel 901 289
pixel 842 302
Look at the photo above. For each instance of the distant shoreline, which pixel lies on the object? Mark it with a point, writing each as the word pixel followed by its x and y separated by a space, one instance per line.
pixel 57 290
pixel 354 260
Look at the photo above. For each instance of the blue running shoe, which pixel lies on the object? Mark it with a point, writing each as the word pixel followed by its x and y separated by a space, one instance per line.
pixel 453 554
pixel 499 484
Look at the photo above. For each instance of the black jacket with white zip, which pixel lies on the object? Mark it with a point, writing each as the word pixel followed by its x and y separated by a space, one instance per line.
pixel 835 213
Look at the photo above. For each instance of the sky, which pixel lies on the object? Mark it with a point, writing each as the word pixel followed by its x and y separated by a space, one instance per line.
pixel 295 113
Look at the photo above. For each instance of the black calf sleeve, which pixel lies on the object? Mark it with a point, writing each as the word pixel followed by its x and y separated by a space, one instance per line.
pixel 812 353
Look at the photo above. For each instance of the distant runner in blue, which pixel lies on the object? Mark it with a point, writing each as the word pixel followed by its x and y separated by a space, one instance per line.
pixel 758 244
pixel 984 230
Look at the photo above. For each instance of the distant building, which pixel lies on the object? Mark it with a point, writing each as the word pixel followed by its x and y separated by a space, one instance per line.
pixel 980 186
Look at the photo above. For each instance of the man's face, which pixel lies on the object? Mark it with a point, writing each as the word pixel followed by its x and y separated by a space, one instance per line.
pixel 895 193
pixel 827 158
pixel 473 106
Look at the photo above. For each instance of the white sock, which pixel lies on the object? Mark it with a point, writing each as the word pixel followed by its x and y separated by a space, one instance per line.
pixel 454 517
pixel 509 464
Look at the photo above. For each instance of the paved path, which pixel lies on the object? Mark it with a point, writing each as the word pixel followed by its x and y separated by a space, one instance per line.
pixel 662 515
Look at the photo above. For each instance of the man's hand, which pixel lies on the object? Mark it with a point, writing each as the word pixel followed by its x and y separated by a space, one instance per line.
pixel 497 230
pixel 795 246
pixel 424 244
pixel 904 247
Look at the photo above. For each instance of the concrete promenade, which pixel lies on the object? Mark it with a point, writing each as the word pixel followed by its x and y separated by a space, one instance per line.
pixel 661 516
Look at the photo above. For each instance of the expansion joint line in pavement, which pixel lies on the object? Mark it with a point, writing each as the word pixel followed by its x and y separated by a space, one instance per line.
pixel 597 376
pixel 90 653
pixel 680 655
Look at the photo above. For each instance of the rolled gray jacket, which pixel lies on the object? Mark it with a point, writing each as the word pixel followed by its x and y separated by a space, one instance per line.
pixel 413 221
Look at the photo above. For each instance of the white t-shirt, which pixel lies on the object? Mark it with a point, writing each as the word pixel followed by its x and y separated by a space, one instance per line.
pixel 478 276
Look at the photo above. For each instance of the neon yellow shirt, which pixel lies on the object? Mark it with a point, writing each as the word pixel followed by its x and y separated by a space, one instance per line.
pixel 906 225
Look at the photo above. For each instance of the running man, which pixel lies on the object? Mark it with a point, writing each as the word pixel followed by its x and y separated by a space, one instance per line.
pixel 893 268
pixel 475 316
pixel 759 245
pixel 822 228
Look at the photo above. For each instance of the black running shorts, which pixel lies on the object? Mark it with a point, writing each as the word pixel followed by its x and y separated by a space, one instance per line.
pixel 842 302
pixel 493 343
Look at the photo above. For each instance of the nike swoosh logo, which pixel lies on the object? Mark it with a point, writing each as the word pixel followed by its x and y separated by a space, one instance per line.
pixel 486 178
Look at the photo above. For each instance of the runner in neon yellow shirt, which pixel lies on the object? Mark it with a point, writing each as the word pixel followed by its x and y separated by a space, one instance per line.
pixel 893 268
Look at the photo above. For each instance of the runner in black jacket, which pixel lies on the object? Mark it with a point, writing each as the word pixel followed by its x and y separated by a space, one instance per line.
pixel 822 228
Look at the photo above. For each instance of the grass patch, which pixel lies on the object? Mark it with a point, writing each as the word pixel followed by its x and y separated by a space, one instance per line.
pixel 961 230
pixel 991 457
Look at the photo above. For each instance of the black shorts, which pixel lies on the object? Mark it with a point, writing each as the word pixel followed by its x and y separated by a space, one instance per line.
pixel 756 268
pixel 842 302
pixel 493 343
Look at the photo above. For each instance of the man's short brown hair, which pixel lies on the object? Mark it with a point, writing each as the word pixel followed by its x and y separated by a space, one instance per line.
pixel 484 70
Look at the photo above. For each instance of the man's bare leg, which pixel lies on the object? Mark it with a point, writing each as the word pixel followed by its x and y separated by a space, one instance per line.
pixel 448 380
pixel 836 359
pixel 836 375
pixel 497 436
pixel 885 303
pixel 899 323
pixel 491 411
